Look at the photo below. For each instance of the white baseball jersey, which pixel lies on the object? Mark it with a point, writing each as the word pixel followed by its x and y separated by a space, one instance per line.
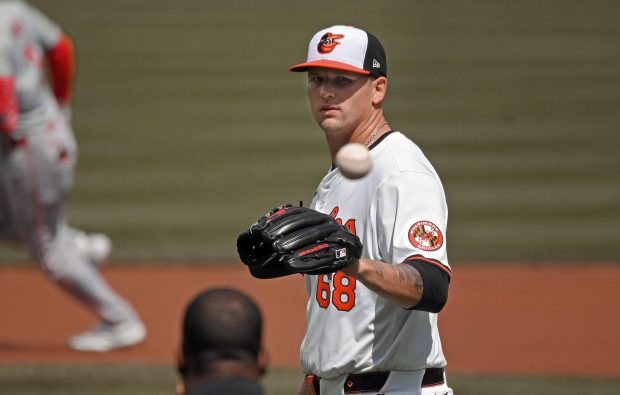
pixel 25 35
pixel 399 212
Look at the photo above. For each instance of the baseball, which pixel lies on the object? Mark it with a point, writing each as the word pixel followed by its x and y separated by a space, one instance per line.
pixel 354 161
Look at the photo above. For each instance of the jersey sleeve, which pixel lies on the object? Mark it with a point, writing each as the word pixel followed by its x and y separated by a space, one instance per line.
pixel 9 113
pixel 412 217
pixel 46 31
pixel 62 69
pixel 59 51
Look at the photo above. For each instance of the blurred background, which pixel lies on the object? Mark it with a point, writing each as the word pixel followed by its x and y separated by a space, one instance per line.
pixel 191 126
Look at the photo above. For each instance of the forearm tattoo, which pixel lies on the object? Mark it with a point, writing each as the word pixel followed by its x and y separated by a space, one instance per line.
pixel 404 274
pixel 401 283
pixel 410 275
pixel 379 268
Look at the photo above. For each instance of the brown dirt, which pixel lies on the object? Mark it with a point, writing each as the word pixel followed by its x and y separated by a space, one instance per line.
pixel 499 320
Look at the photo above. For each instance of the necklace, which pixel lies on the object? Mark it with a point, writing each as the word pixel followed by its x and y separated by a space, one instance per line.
pixel 372 136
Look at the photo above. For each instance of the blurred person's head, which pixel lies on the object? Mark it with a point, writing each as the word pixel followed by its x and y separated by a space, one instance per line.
pixel 222 339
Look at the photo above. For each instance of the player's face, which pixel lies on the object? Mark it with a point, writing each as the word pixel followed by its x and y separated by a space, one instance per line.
pixel 340 101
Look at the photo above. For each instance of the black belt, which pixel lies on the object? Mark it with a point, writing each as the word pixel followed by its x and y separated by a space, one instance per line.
pixel 374 381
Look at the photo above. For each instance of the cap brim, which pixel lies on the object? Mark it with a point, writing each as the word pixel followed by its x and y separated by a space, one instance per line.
pixel 329 64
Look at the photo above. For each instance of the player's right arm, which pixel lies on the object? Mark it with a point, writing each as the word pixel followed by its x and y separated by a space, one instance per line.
pixel 9 113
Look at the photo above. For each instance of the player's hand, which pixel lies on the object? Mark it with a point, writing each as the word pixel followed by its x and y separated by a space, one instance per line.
pixel 292 239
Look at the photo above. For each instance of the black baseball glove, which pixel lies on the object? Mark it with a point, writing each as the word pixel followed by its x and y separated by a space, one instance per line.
pixel 291 239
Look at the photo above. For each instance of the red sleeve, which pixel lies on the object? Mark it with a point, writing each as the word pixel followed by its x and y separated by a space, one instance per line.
pixel 9 114
pixel 62 66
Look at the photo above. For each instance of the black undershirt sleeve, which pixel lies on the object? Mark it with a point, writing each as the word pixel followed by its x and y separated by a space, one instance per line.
pixel 435 282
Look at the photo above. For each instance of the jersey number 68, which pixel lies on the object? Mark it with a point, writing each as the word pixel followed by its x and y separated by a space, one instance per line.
pixel 337 288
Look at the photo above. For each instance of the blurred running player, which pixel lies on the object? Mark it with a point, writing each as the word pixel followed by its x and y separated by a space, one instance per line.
pixel 38 154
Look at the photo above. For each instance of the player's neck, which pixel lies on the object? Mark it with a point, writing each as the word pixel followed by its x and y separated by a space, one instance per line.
pixel 226 369
pixel 365 133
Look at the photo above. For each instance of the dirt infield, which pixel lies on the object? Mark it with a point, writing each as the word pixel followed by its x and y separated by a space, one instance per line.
pixel 499 320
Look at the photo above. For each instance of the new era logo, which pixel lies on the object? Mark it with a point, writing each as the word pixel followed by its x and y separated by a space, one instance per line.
pixel 376 64
pixel 341 253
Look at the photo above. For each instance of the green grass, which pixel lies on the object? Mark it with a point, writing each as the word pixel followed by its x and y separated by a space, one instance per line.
pixel 190 125
pixel 492 385
pixel 107 379
pixel 86 379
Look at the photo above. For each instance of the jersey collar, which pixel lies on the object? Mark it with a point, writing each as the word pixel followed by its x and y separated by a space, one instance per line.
pixel 373 145
pixel 380 139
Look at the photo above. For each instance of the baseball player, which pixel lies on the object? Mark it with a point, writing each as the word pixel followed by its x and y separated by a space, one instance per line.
pixel 375 285
pixel 221 349
pixel 38 153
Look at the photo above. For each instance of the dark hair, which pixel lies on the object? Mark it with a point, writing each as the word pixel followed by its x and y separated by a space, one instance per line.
pixel 220 324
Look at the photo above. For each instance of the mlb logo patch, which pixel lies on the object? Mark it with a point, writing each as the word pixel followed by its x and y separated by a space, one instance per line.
pixel 341 253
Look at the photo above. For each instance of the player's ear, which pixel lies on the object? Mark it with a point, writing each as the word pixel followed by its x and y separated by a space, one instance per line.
pixel 379 89
pixel 263 361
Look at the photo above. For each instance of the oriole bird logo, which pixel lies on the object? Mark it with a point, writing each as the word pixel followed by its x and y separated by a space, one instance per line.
pixel 328 42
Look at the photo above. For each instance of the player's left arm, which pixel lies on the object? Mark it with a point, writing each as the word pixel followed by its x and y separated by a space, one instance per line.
pixel 419 279
pixel 61 59
pixel 9 111
pixel 401 284
pixel 59 51
pixel 411 285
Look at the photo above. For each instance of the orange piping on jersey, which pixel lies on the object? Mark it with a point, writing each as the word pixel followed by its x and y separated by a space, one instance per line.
pixel 431 261
pixel 62 68
pixel 9 114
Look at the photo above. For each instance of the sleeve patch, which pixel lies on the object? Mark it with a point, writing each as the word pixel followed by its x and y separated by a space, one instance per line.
pixel 426 236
